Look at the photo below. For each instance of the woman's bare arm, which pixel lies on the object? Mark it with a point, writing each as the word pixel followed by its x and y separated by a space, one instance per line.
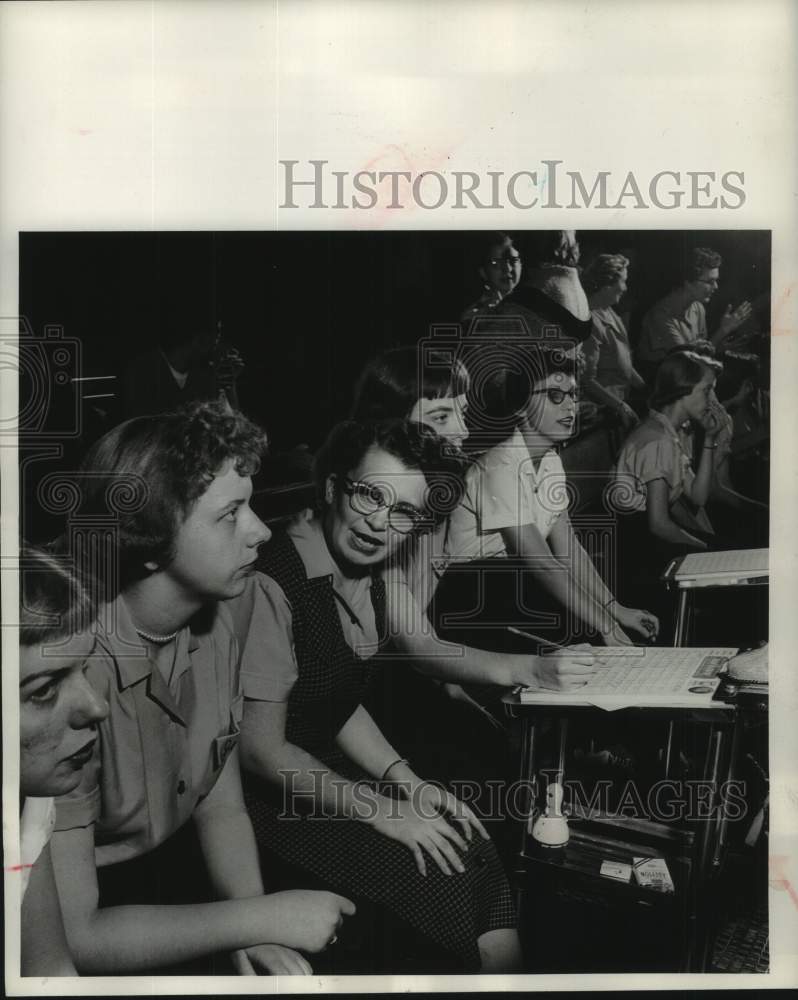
pixel 660 522
pixel 44 945
pixel 128 939
pixel 414 636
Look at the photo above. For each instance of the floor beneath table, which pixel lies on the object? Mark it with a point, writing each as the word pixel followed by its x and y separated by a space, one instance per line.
pixel 572 931
pixel 742 944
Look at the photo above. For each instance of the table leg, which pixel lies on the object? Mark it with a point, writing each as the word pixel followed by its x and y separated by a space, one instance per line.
pixel 527 775
pixel 563 740
pixel 722 821
pixel 669 750
pixel 698 958
pixel 682 615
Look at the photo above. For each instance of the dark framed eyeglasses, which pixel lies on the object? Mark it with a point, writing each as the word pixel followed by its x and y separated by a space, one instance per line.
pixel 556 396
pixel 367 498
pixel 498 261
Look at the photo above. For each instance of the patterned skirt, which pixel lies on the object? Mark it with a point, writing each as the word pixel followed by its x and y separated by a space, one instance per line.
pixel 352 859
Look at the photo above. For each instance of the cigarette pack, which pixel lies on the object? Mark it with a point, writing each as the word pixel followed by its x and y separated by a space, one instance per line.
pixel 652 873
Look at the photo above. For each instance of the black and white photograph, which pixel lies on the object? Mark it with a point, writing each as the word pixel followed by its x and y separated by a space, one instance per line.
pixel 445 553
pixel 387 597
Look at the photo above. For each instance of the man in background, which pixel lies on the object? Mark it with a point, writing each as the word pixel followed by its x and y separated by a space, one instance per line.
pixel 680 318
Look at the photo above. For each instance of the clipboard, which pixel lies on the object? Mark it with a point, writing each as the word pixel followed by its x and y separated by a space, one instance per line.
pixel 725 568
pixel 645 677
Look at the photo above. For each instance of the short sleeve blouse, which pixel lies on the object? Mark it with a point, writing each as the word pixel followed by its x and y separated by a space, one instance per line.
pixel 652 451
pixel 173 721
pixel 669 323
pixel 608 358
pixel 263 627
pixel 264 618
pixel 505 490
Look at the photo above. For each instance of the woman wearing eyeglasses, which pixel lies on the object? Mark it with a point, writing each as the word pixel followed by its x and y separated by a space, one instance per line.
pixel 420 702
pixel 499 267
pixel 515 508
pixel 309 744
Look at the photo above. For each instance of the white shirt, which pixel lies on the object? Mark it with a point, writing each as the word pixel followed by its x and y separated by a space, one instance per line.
pixel 505 490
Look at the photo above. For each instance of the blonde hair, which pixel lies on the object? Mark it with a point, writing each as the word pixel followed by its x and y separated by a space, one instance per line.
pixel 603 271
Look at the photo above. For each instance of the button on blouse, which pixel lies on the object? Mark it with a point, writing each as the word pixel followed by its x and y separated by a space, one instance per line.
pixel 173 721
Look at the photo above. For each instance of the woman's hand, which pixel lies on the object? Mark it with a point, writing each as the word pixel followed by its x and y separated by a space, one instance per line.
pixel 731 320
pixel 712 425
pixel 642 622
pixel 270 960
pixel 563 670
pixel 429 798
pixel 310 919
pixel 615 636
pixel 402 820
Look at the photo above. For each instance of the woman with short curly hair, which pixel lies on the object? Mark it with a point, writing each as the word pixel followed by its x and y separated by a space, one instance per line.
pixel 174 490
pixel 326 790
pixel 609 376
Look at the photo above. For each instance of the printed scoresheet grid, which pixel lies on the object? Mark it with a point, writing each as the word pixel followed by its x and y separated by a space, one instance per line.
pixel 654 671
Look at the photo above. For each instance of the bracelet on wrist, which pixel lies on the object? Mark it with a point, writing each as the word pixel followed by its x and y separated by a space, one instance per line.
pixel 612 600
pixel 710 447
pixel 399 760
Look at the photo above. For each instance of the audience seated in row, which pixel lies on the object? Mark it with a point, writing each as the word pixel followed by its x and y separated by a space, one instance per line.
pixel 348 653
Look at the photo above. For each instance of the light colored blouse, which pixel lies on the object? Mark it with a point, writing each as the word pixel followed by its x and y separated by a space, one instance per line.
pixel 505 490
pixel 654 450
pixel 268 664
pixel 173 722
pixel 670 322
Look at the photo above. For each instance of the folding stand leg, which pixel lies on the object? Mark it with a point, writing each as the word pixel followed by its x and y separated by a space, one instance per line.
pixel 527 774
pixel 682 617
pixel 668 762
pixel 563 740
pixel 701 877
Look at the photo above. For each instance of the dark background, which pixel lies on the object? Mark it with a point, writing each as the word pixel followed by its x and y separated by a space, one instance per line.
pixel 306 310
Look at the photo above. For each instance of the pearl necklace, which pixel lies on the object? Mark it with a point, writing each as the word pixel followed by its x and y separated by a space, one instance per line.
pixel 158 639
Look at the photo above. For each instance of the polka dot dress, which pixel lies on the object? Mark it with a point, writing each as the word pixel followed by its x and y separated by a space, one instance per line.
pixel 349 855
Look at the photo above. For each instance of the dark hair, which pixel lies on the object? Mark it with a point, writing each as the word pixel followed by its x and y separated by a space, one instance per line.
pixel 418 447
pixel 148 472
pixel 603 271
pixel 484 242
pixel 699 260
pixel 392 383
pixel 677 375
pixel 52 602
